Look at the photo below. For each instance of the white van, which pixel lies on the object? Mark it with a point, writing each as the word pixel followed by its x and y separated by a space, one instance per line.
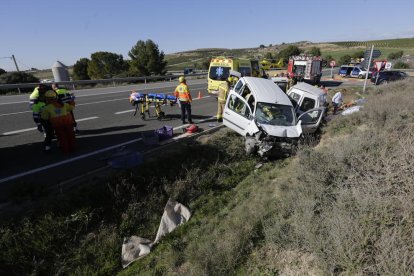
pixel 305 97
pixel 259 110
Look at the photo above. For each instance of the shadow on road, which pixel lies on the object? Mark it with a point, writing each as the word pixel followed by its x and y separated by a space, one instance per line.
pixel 331 83
pixel 106 130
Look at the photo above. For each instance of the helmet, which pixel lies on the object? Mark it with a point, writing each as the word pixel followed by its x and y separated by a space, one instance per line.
pixel 230 79
pixel 50 95
pixel 181 79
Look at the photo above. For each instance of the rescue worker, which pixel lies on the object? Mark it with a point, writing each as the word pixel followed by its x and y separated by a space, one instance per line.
pixel 221 99
pixel 337 101
pixel 182 92
pixel 64 96
pixel 58 114
pixel 43 126
pixel 33 98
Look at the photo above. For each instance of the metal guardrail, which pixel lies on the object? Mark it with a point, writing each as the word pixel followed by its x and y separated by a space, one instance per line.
pixel 112 81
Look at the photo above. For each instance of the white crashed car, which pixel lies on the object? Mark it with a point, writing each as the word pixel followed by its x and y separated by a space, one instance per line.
pixel 260 111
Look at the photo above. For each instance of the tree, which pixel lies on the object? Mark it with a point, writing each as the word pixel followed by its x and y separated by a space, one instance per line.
pixel 401 65
pixel 17 77
pixel 80 69
pixel 344 59
pixel 268 55
pixel 2 71
pixel 262 46
pixel 146 59
pixel 315 51
pixel 358 54
pixel 396 55
pixel 206 64
pixel 288 52
pixel 105 65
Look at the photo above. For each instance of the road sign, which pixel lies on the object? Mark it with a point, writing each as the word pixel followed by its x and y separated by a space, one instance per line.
pixel 375 54
pixel 332 63
pixel 388 66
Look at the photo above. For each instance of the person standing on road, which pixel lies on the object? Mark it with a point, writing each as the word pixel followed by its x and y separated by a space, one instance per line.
pixel 34 96
pixel 337 101
pixel 221 99
pixel 58 114
pixel 64 96
pixel 182 92
pixel 43 126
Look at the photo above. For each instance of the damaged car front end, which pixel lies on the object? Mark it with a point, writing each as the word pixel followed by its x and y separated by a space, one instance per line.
pixel 262 113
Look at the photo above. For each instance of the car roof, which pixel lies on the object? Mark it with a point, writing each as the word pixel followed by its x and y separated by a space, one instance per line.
pixel 308 88
pixel 265 90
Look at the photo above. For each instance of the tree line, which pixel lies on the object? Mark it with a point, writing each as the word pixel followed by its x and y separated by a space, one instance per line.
pixel 145 59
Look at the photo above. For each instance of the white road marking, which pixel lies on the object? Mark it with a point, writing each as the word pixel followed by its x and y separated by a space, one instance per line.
pixel 125 111
pixel 19 131
pixel 86 119
pixel 67 161
pixel 33 128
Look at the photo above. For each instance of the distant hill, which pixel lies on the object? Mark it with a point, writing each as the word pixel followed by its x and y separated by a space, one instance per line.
pixel 195 58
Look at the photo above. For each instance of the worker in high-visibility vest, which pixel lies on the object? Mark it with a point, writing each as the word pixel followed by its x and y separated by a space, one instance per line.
pixel 64 96
pixel 182 92
pixel 223 91
pixel 43 126
pixel 34 96
pixel 58 114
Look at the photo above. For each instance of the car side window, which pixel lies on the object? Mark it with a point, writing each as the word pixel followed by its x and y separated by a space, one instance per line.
pixel 239 106
pixel 307 104
pixel 310 118
pixel 238 86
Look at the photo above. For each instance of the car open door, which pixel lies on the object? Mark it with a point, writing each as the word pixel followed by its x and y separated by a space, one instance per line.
pixel 237 113
pixel 311 119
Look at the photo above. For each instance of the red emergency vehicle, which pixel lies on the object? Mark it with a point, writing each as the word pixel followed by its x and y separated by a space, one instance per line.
pixel 305 68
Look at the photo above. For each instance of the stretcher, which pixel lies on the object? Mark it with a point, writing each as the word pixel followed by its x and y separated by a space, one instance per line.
pixel 144 100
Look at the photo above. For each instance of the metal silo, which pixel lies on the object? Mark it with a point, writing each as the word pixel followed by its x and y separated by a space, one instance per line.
pixel 60 72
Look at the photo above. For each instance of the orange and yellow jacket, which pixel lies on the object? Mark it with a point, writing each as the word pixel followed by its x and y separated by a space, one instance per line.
pixel 58 113
pixel 182 92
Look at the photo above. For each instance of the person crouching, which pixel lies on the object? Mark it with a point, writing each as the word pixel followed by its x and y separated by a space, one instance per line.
pixel 58 114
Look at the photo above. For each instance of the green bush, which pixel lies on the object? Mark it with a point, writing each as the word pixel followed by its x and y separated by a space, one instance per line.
pixel 401 65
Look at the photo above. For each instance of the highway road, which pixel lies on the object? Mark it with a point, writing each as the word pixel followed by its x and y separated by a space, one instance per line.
pixel 106 122
pixel 105 119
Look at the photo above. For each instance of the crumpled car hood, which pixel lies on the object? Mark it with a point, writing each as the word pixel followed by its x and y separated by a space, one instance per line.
pixel 283 131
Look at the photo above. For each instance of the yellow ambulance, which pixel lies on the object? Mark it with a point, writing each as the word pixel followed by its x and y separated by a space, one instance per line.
pixel 220 68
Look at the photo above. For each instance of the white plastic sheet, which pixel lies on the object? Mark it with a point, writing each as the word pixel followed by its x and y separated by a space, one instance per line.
pixel 134 248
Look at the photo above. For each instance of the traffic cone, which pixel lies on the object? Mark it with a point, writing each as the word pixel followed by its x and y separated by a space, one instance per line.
pixel 199 95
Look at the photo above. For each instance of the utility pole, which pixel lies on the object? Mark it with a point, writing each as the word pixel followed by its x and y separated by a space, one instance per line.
pixel 15 63
pixel 368 67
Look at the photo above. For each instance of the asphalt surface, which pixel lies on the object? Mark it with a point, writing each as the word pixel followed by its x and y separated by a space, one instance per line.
pixel 107 126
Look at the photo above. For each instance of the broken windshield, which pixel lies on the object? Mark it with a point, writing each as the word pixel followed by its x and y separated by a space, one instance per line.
pixel 275 114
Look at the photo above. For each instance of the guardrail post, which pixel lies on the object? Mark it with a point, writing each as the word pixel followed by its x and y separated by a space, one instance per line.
pixel 18 88
pixel 73 86
pixel 113 82
pixel 145 81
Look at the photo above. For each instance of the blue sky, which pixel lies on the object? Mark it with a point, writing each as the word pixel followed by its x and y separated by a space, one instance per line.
pixel 40 32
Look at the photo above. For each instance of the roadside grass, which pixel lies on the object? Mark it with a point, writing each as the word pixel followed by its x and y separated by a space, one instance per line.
pixel 81 232
pixel 348 208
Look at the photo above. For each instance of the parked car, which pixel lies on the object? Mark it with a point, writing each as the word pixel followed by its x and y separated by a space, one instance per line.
pixel 305 97
pixel 384 77
pixel 360 73
pixel 353 71
pixel 261 112
pixel 345 70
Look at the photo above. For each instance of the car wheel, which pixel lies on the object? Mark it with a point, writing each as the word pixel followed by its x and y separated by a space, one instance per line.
pixel 383 82
pixel 360 76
